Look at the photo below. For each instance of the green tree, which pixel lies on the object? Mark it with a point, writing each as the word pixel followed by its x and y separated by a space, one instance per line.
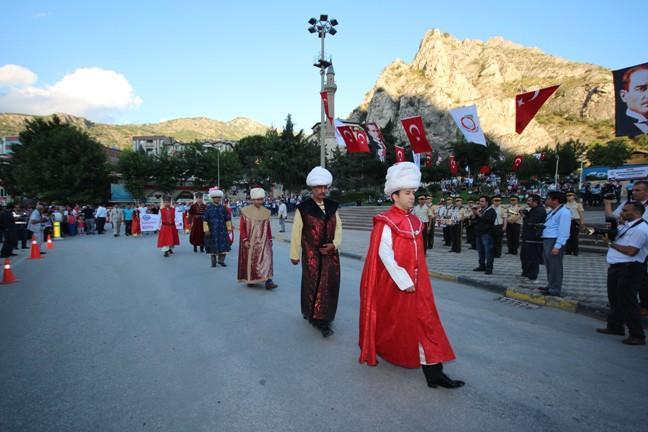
pixel 168 171
pixel 136 169
pixel 58 162
pixel 612 154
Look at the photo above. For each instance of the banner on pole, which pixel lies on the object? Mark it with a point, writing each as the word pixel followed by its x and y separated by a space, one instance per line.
pixel 468 123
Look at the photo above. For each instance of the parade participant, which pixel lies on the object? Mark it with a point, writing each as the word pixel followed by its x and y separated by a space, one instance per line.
pixel 444 217
pixel 255 247
pixel 128 219
pixel 577 221
pixel 513 225
pixel 167 231
pixel 498 229
pixel 135 227
pixel 554 237
pixel 116 216
pixel 421 211
pixel 470 226
pixel 433 211
pixel 316 237
pixel 457 215
pixel 283 215
pixel 197 234
pixel 9 231
pixel 101 214
pixel 531 251
pixel 625 257
pixel 485 217
pixel 216 225
pixel 398 317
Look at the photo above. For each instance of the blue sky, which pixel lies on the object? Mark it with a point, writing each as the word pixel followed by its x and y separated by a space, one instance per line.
pixel 144 61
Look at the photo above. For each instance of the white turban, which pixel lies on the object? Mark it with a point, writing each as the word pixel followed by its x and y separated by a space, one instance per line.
pixel 403 175
pixel 319 177
pixel 215 192
pixel 257 193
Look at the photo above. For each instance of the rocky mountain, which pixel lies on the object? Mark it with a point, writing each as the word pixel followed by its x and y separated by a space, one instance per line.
pixel 448 73
pixel 119 136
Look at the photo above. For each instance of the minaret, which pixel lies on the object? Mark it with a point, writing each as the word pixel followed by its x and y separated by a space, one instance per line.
pixel 330 87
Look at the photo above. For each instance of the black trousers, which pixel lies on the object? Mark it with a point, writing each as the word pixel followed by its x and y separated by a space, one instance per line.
pixel 425 231
pixel 430 233
pixel 101 222
pixel 22 236
pixel 623 282
pixel 447 236
pixel 572 243
pixel 513 237
pixel 10 241
pixel 498 234
pixel 470 236
pixel 455 231
pixel 129 227
pixel 531 257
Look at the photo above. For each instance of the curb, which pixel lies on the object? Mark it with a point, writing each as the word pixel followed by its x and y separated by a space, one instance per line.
pixel 565 304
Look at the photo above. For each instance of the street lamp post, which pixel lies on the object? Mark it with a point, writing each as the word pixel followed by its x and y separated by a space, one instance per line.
pixel 322 27
pixel 218 147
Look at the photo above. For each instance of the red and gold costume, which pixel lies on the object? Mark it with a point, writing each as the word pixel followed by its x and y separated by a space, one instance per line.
pixel 197 234
pixel 255 261
pixel 402 327
pixel 315 225
pixel 168 234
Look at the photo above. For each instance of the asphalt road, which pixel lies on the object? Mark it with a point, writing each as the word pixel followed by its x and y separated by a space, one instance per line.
pixel 105 334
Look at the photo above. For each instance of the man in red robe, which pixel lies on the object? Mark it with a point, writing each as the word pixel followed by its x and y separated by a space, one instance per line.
pixel 398 317
pixel 197 234
pixel 255 248
pixel 315 240
pixel 168 233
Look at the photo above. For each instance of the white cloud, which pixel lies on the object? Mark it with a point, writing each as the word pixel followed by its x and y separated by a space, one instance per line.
pixel 12 75
pixel 90 92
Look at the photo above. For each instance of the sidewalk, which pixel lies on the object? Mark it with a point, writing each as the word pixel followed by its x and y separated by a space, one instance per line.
pixel 584 284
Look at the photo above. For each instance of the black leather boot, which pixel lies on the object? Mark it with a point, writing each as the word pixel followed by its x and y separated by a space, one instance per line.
pixel 213 260
pixel 435 377
pixel 196 249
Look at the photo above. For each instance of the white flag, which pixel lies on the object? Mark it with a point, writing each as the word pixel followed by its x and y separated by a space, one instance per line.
pixel 468 123
pixel 417 160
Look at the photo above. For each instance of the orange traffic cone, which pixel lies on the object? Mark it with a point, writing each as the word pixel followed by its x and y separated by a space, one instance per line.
pixel 8 276
pixel 35 249
pixel 50 244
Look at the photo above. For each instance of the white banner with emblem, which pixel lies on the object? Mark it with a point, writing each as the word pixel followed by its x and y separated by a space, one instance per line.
pixel 628 173
pixel 151 222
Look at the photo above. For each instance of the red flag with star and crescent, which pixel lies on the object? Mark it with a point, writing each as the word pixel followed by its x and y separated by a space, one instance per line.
pixel 355 139
pixel 325 101
pixel 517 162
pixel 454 166
pixel 416 134
pixel 400 153
pixel 528 104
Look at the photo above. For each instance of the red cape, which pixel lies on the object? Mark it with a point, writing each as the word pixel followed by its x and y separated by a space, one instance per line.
pixel 392 322
pixel 168 234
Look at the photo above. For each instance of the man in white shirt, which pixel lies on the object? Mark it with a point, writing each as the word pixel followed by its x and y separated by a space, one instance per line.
pixel 101 215
pixel 35 224
pixel 421 211
pixel 283 215
pixel 626 255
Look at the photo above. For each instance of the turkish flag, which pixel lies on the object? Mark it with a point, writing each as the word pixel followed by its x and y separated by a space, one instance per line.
pixel 353 144
pixel 485 169
pixel 325 101
pixel 362 140
pixel 454 166
pixel 517 162
pixel 416 134
pixel 400 154
pixel 528 104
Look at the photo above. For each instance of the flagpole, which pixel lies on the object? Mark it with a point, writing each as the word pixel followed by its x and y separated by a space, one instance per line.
pixel 556 175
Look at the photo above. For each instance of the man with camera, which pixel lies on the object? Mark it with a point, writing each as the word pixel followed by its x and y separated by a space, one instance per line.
pixel 532 227
pixel 626 255
pixel 638 193
pixel 554 237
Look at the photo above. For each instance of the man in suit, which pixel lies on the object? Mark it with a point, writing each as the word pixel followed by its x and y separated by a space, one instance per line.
pixel 634 93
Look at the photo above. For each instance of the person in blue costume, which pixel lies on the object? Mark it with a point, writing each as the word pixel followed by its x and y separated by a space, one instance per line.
pixel 217 223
